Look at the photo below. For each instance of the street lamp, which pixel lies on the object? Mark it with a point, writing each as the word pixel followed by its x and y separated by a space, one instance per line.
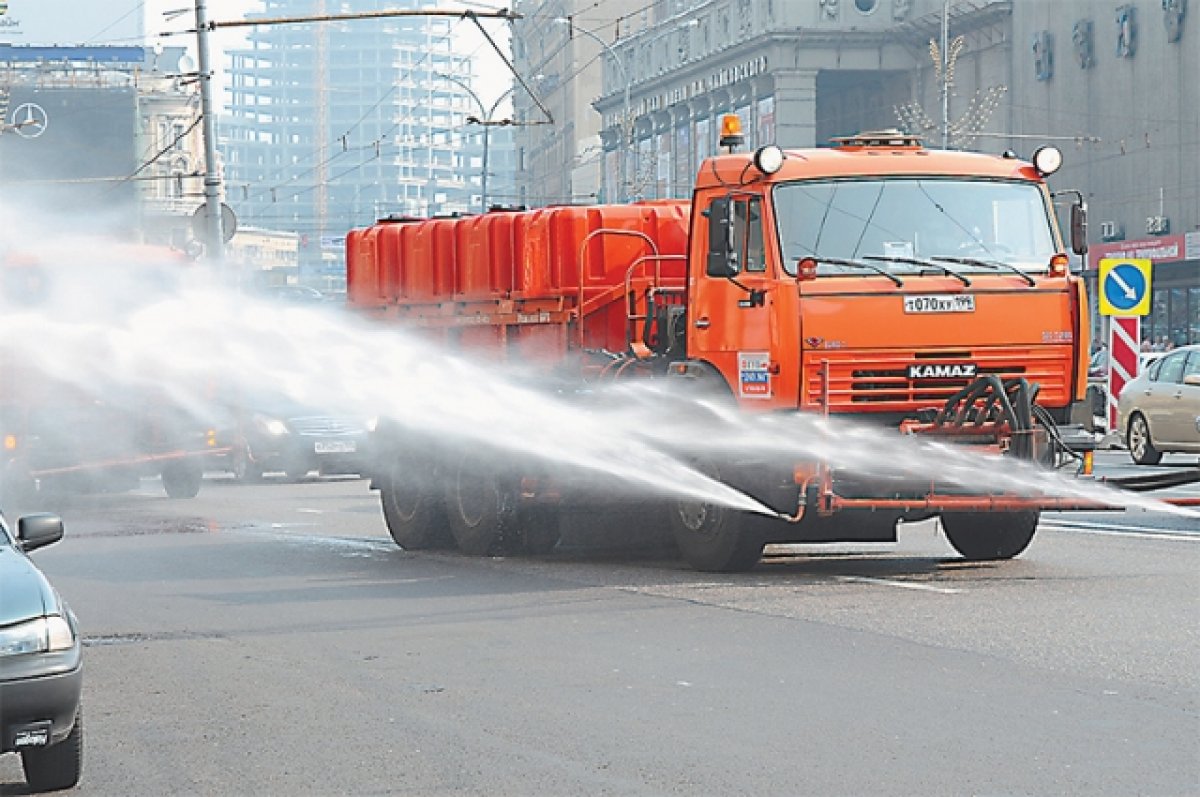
pixel 627 120
pixel 486 121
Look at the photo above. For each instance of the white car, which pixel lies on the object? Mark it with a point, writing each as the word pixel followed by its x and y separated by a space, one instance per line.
pixel 1159 411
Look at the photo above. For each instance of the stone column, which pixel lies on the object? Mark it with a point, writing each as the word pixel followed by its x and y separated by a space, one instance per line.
pixel 795 107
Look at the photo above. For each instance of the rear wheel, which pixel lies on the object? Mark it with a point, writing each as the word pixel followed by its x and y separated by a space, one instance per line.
pixel 478 506
pixel 986 536
pixel 59 766
pixel 540 530
pixel 1141 446
pixel 411 508
pixel 182 477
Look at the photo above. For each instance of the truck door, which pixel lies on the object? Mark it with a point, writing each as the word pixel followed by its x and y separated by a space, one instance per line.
pixel 731 297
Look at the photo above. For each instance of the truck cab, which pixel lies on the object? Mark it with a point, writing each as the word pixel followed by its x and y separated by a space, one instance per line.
pixel 880 277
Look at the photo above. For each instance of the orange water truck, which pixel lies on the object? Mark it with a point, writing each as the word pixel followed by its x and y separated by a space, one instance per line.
pixel 924 291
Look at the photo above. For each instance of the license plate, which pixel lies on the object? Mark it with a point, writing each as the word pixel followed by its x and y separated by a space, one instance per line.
pixel 336 447
pixel 934 303
pixel 35 737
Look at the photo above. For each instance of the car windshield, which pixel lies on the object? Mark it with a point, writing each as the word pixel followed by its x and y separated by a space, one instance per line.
pixel 970 225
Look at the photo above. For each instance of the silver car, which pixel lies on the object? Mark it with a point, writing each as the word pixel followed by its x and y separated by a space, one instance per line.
pixel 1159 411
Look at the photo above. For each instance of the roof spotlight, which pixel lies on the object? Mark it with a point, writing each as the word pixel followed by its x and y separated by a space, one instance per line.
pixel 768 159
pixel 1047 160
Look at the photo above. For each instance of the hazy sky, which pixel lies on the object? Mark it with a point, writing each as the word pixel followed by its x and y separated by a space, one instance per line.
pixel 492 75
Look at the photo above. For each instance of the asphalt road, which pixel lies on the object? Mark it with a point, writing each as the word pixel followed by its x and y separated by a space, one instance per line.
pixel 270 639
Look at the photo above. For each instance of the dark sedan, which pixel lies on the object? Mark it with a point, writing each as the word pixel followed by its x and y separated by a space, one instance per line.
pixel 281 435
pixel 41 662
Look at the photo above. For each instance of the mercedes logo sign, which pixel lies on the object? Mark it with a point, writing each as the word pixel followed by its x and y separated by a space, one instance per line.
pixel 30 120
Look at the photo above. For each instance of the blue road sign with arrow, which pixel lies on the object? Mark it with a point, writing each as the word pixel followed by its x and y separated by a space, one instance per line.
pixel 1125 286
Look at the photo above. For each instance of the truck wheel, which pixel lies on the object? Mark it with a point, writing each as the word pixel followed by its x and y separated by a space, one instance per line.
pixel 540 530
pixel 1141 446
pixel 477 506
pixel 58 766
pixel 410 507
pixel 182 477
pixel 986 536
pixel 715 538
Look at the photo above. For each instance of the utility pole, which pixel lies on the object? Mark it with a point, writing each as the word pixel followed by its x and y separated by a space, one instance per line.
pixel 945 82
pixel 213 239
pixel 214 242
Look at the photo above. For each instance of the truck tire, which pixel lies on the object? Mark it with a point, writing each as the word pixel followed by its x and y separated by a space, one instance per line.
pixel 478 506
pixel 714 538
pixel 987 536
pixel 58 766
pixel 181 478
pixel 541 528
pixel 1141 445
pixel 411 508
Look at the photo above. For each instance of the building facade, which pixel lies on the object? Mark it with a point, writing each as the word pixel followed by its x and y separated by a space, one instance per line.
pixel 1108 81
pixel 334 124
pixel 558 47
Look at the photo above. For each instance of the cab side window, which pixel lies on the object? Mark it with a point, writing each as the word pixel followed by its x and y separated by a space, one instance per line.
pixel 749 248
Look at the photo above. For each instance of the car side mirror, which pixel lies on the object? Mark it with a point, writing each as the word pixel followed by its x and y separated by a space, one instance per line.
pixel 38 531
pixel 1192 379
pixel 721 261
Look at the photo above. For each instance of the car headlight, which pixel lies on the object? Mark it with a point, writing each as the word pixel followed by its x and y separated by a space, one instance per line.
pixel 43 635
pixel 272 426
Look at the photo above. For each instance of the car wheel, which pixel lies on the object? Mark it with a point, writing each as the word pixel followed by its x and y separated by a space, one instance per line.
pixel 245 469
pixel 1141 447
pixel 58 766
pixel 181 478
pixel 987 536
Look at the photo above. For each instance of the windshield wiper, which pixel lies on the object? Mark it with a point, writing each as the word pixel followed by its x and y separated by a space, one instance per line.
pixel 837 261
pixel 971 261
pixel 916 261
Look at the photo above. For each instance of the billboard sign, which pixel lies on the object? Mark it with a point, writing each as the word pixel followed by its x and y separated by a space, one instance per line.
pixel 42 23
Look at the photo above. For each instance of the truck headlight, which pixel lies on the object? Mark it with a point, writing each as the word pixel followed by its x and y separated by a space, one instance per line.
pixel 43 635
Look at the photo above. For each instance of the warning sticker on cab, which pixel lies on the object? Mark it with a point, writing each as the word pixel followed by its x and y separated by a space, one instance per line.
pixel 754 378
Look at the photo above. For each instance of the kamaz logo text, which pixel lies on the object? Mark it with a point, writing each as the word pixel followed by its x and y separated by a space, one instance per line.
pixel 941 370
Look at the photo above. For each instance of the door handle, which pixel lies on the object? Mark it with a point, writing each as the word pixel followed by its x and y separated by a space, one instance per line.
pixel 702 322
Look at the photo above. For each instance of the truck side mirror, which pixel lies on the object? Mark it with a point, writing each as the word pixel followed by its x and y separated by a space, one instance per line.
pixel 1079 229
pixel 721 261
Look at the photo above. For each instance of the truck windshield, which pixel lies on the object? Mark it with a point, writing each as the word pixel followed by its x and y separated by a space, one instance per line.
pixel 974 224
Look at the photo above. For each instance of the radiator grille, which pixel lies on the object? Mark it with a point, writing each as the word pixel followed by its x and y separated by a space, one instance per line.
pixel 880 381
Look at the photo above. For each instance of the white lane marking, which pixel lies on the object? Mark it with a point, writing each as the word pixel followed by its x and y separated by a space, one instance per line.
pixel 1136 532
pixel 884 582
pixel 311 511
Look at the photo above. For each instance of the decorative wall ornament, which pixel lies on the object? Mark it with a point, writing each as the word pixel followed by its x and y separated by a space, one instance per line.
pixel 1083 38
pixel 1126 31
pixel 900 9
pixel 1173 13
pixel 1043 54
pixel 829 8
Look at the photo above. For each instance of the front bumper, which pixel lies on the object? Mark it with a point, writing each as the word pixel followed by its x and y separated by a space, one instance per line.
pixel 39 697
